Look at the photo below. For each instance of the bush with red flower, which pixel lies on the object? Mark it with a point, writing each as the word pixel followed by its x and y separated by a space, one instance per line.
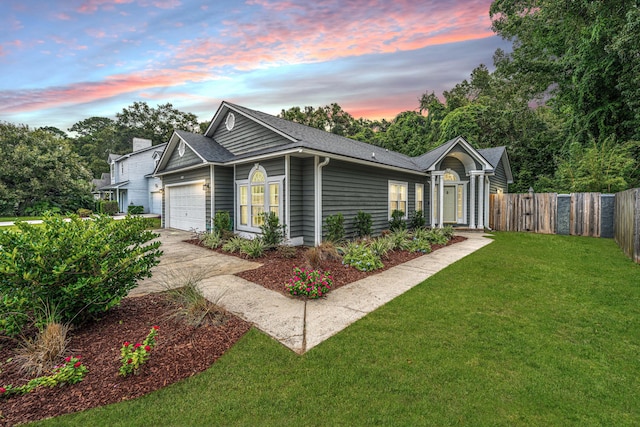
pixel 309 283
pixel 71 372
pixel 134 356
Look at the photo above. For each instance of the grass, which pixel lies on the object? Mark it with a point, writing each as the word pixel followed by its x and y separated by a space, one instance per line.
pixel 16 218
pixel 530 330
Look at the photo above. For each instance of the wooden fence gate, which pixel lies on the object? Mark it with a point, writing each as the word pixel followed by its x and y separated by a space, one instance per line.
pixel 549 213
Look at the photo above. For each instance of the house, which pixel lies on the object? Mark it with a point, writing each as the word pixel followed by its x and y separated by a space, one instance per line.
pixel 98 184
pixel 131 180
pixel 248 162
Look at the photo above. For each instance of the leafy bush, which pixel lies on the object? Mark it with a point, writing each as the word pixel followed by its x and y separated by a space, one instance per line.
pixel 222 222
pixel 363 224
pixel 134 356
pixel 309 283
pixel 82 268
pixel 135 210
pixel 253 248
pixel 335 227
pixel 42 207
pixel 212 240
pixel 448 232
pixel 108 207
pixel 272 232
pixel 234 244
pixel 71 372
pixel 416 220
pixel 419 245
pixel 360 257
pixel 400 239
pixel 397 221
pixel 382 246
pixel 287 251
pixel 84 213
pixel 435 236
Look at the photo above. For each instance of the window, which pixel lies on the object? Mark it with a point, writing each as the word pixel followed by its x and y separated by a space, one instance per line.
pixel 181 148
pixel 420 197
pixel 397 197
pixel 230 121
pixel 256 195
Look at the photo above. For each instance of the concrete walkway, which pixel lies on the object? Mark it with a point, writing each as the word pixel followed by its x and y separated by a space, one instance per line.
pixel 299 325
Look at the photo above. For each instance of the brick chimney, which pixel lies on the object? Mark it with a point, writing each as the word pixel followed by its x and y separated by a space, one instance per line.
pixel 140 143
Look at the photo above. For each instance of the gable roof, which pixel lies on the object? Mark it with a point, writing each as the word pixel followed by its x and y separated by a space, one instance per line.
pixel 495 155
pixel 319 142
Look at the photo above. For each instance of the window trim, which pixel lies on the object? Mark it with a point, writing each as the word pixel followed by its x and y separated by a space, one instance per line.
pixel 415 198
pixel 406 201
pixel 269 180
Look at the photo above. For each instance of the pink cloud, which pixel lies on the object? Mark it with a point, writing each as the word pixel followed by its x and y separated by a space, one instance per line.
pixel 39 99
pixel 62 16
pixel 90 6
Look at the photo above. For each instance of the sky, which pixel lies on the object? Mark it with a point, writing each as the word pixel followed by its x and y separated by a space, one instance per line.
pixel 65 61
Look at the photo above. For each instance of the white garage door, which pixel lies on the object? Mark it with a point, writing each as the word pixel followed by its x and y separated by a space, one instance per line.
pixel 187 210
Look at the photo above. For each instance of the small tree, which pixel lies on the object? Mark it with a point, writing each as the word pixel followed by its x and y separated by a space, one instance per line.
pixel 397 221
pixel 272 232
pixel 363 224
pixel 335 227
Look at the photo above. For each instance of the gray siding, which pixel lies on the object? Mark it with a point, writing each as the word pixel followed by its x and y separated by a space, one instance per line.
pixel 224 188
pixel 246 136
pixel 308 202
pixel 457 149
pixel 296 184
pixel 274 167
pixel 348 188
pixel 188 159
pixel 455 165
pixel 499 180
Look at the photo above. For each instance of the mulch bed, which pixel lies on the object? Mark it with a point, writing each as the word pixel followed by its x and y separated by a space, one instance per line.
pixel 182 350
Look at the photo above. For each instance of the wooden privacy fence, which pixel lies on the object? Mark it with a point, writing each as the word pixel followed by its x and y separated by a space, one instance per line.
pixel 579 214
pixel 627 221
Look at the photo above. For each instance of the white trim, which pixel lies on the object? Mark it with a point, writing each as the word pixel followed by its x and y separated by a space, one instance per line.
pixel 318 197
pixel 406 192
pixel 472 200
pixel 287 199
pixel 268 180
pixel 212 194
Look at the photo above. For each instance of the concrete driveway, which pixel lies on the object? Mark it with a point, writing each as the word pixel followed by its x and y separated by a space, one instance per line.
pixel 299 325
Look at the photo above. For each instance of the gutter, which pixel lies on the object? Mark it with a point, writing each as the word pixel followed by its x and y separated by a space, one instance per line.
pixel 318 191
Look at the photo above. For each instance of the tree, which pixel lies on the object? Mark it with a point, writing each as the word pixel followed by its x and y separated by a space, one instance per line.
pixel 157 124
pixel 39 172
pixel 98 137
pixel 581 55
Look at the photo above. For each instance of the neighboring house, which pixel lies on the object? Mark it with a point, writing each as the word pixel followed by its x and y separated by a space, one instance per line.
pixel 131 181
pixel 249 162
pixel 98 184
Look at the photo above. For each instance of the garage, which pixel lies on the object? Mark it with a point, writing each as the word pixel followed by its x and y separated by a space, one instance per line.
pixel 187 207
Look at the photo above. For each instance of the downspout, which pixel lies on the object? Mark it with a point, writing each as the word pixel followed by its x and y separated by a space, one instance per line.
pixel 318 227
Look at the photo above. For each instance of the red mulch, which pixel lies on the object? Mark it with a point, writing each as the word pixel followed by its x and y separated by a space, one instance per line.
pixel 182 350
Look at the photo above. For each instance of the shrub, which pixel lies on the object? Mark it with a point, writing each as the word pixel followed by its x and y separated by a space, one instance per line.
pixel 84 213
pixel 108 207
pixel 382 246
pixel 448 232
pixel 360 257
pixel 363 224
pixel 253 248
pixel 335 227
pixel 222 222
pixel 435 236
pixel 326 251
pixel 397 221
pixel 212 240
pixel 82 268
pixel 419 245
pixel 416 220
pixel 309 283
pixel 192 306
pixel 400 239
pixel 234 244
pixel 287 251
pixel 272 232
pixel 39 354
pixel 135 210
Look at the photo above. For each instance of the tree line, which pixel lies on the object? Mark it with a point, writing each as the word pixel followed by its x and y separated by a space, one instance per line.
pixel 565 102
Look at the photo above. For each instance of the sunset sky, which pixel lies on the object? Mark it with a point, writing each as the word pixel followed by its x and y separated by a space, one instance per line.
pixel 64 61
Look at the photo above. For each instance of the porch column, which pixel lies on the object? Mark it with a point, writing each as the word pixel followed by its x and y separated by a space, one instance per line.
pixel 441 201
pixel 432 195
pixel 481 200
pixel 472 200
pixel 487 193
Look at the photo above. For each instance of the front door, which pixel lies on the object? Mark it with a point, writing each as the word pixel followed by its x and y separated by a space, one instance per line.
pixel 449 204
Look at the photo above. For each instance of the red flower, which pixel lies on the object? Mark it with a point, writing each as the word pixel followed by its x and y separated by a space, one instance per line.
pixel 136 345
pixel 77 364
pixel 130 361
pixel 126 343
pixel 147 348
pixel 67 359
pixel 156 327
pixel 2 390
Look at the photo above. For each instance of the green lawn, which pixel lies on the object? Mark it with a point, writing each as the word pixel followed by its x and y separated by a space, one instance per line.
pixel 530 330
pixel 16 218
